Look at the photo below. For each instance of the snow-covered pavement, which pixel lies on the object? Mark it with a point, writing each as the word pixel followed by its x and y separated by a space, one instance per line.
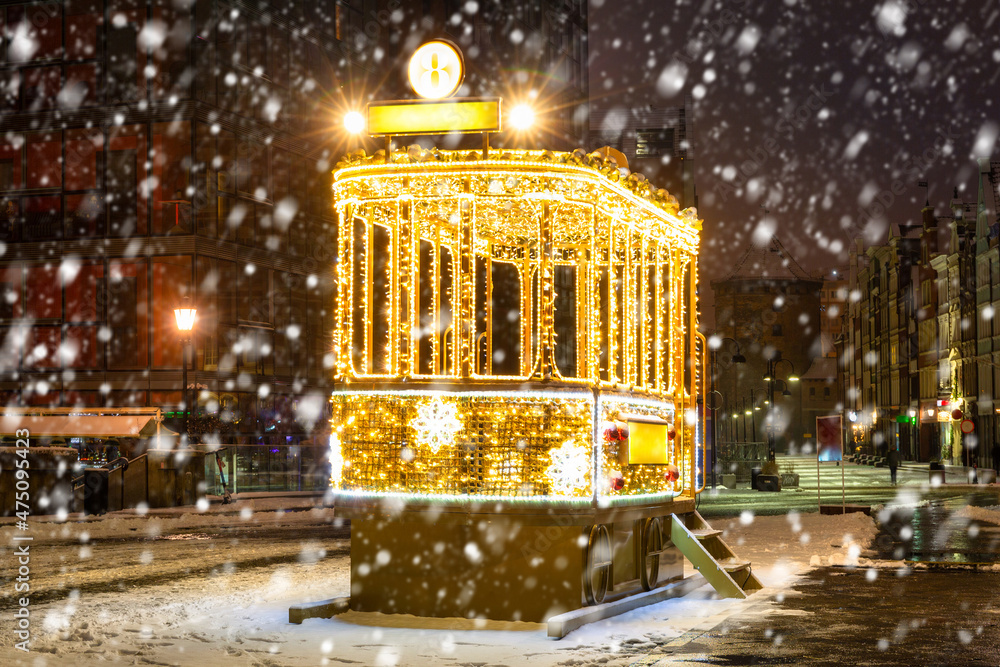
pixel 235 615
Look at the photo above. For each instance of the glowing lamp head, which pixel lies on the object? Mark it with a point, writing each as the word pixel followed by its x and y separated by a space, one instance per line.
pixel 522 117
pixel 354 122
pixel 185 315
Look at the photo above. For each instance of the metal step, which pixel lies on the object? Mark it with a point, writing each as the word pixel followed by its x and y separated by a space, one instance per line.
pixel 705 533
pixel 716 569
pixel 732 564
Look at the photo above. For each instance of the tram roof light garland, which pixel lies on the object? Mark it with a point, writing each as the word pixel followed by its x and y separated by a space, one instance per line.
pixel 421 237
pixel 589 179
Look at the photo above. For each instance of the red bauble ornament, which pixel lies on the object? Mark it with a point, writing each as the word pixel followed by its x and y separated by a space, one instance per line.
pixel 956 414
pixel 671 434
pixel 617 431
pixel 672 474
pixel 617 482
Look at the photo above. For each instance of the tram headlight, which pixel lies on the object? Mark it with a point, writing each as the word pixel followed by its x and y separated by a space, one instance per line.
pixel 354 122
pixel 522 117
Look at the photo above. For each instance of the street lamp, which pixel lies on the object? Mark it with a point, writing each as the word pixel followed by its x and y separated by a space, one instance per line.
pixel 185 314
pixel 771 378
pixel 714 343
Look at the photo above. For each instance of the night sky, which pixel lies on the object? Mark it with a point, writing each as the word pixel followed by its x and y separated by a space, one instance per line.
pixel 827 113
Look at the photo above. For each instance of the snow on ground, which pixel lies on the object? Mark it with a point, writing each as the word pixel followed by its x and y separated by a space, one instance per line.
pixel 987 514
pixel 240 617
pixel 781 546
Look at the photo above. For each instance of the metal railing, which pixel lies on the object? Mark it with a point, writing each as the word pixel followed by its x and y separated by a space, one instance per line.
pixel 740 458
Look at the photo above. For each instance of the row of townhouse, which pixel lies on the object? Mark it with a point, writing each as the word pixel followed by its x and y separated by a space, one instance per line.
pixel 920 351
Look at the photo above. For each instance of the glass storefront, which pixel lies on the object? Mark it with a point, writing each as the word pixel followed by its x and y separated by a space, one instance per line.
pixel 249 468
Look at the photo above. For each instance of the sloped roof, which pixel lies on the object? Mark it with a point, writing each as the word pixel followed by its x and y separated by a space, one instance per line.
pixel 821 368
pixel 768 261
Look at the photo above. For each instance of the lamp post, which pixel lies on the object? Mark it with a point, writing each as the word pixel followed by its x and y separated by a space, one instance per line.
pixel 748 411
pixel 714 343
pixel 185 314
pixel 771 379
pixel 754 409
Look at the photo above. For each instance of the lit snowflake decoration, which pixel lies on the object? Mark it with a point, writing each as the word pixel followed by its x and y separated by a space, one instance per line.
pixel 569 472
pixel 436 424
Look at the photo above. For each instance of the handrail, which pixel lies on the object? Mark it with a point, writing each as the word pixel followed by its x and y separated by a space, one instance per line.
pixel 704 406
pixel 120 462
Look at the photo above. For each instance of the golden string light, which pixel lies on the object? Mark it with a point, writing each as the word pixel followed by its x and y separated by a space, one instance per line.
pixel 601 263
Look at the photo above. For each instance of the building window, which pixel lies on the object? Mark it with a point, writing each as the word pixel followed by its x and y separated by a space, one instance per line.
pixel 171 171
pixel 11 295
pixel 171 277
pixel 42 218
pixel 84 159
pixel 654 143
pixel 44 153
pixel 42 293
pixel 41 349
pixel 40 29
pixel 126 61
pixel 126 169
pixel 128 316
pixel 11 162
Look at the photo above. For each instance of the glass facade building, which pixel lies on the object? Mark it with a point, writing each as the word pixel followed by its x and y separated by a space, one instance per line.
pixel 157 149
pixel 151 151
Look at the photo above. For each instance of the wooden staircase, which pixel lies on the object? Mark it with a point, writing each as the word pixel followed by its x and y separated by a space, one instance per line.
pixel 731 576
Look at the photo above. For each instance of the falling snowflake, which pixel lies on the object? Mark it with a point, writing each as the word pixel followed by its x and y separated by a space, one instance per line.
pixel 569 472
pixel 436 424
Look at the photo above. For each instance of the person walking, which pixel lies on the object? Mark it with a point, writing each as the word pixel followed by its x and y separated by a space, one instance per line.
pixel 893 460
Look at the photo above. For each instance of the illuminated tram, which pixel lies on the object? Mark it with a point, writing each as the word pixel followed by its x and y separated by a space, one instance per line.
pixel 515 419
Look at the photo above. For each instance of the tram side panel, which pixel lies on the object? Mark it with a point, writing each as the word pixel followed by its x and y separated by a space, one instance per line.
pixel 502 568
pixel 515 568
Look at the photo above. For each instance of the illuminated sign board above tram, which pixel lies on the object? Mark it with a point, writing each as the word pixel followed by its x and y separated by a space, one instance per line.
pixel 481 114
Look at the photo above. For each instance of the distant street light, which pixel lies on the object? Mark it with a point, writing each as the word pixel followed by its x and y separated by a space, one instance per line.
pixel 185 314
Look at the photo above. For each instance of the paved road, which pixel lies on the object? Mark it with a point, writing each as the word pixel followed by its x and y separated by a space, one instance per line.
pixel 839 616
